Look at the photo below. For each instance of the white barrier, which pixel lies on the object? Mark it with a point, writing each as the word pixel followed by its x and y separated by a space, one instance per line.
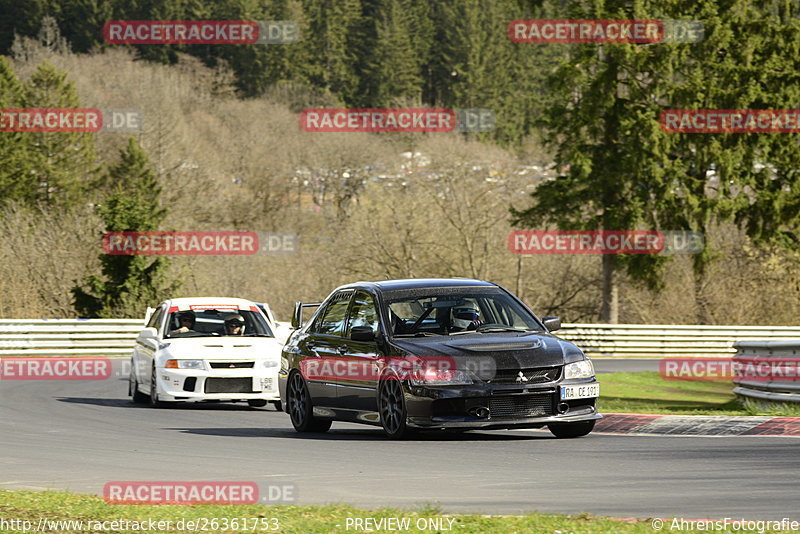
pixel 115 337
pixel 78 337
pixel 658 341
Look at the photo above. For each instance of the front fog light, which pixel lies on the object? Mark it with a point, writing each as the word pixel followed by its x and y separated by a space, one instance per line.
pixel 270 363
pixel 581 369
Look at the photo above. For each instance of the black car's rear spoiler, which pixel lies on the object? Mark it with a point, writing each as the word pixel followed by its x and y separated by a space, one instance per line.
pixel 297 316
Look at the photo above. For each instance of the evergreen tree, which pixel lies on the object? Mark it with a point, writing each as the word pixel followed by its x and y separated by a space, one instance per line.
pixel 334 32
pixel 63 163
pixel 128 283
pixel 625 172
pixel 15 172
pixel 392 66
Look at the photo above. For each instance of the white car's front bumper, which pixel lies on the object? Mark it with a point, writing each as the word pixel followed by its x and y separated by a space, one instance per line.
pixel 221 384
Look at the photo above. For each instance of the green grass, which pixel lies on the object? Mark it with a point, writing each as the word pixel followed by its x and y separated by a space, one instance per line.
pixel 32 506
pixel 647 392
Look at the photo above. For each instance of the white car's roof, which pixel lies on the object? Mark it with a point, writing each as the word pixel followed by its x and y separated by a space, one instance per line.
pixel 188 303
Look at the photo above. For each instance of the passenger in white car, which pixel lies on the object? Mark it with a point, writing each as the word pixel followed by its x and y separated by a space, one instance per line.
pixel 234 325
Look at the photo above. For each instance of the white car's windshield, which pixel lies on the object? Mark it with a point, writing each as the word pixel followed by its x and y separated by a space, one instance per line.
pixel 214 322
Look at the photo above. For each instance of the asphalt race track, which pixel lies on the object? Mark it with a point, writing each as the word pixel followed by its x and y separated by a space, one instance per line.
pixel 78 435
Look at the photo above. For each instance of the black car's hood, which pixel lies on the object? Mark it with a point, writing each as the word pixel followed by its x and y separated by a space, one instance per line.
pixel 505 350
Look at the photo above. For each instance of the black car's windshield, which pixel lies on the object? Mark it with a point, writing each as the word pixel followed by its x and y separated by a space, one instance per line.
pixel 214 322
pixel 447 312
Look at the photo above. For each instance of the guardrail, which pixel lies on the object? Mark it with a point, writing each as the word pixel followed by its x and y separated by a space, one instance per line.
pixel 658 341
pixel 77 337
pixel 772 391
pixel 68 337
pixel 115 337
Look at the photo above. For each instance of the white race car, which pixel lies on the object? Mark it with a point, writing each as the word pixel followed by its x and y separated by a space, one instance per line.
pixel 206 349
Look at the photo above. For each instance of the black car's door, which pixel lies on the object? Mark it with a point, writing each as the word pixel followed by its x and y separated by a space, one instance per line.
pixel 357 388
pixel 323 347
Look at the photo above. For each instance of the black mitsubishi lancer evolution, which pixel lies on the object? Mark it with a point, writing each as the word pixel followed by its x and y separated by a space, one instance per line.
pixel 436 354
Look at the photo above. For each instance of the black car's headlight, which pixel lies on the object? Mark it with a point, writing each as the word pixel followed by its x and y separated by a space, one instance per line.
pixel 440 377
pixel 581 369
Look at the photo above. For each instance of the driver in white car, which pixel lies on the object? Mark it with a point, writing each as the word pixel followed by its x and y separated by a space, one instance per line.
pixel 186 320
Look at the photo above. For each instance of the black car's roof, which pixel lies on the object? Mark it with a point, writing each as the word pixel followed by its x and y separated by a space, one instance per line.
pixel 421 283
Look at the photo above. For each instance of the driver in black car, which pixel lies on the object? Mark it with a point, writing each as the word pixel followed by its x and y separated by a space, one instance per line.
pixel 465 317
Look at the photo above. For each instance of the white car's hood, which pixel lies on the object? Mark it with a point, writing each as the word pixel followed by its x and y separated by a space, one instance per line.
pixel 223 348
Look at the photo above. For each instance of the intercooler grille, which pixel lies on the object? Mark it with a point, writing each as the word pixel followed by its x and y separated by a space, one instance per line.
pixel 521 405
pixel 229 385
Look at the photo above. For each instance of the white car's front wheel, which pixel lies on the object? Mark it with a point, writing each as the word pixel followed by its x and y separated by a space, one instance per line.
pixel 154 402
pixel 133 389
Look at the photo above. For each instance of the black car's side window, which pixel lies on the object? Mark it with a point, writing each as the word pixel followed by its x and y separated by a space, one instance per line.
pixel 333 318
pixel 363 312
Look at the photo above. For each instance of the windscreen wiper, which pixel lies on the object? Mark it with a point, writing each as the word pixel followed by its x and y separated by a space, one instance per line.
pixel 417 334
pixel 493 328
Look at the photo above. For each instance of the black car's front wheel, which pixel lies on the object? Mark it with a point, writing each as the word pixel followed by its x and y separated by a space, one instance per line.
pixel 571 430
pixel 301 410
pixel 392 407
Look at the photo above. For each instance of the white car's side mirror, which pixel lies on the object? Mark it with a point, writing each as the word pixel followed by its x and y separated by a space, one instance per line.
pixel 148 333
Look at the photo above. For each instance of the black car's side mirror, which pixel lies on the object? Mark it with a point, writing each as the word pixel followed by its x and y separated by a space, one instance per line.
pixel 362 333
pixel 552 323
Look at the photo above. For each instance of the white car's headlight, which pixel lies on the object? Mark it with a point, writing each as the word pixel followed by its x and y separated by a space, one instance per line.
pixel 440 377
pixel 581 369
pixel 270 363
pixel 184 364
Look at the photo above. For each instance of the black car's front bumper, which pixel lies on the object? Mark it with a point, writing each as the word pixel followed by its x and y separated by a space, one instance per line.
pixel 487 407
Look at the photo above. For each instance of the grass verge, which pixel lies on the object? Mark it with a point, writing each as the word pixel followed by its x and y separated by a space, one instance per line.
pixel 647 392
pixel 61 506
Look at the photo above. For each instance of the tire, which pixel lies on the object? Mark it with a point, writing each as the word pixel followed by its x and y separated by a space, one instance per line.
pixel 392 407
pixel 133 389
pixel 257 403
pixel 154 402
pixel 571 430
pixel 301 411
pixel 278 405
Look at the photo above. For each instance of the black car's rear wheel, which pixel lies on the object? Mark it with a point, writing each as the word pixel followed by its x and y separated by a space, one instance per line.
pixel 392 407
pixel 301 410
pixel 571 430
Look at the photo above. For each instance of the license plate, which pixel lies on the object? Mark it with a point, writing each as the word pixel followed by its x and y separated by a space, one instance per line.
pixel 580 392
pixel 267 384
